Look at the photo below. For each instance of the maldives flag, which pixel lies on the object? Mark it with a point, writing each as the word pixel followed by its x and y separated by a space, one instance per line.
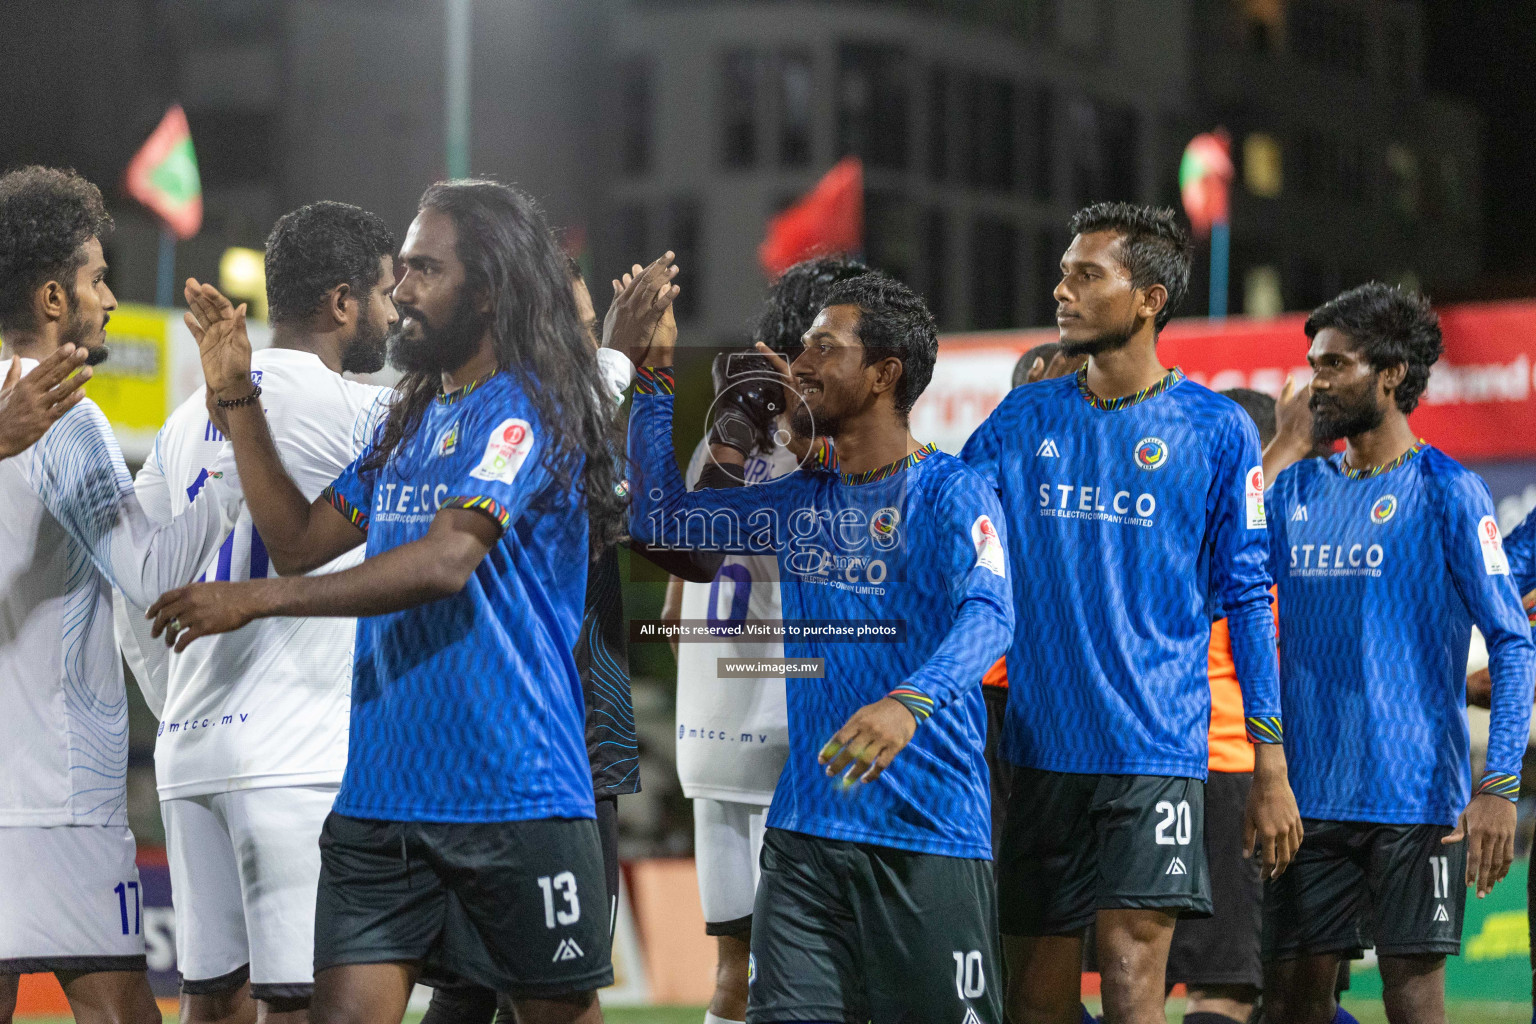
pixel 827 219
pixel 163 175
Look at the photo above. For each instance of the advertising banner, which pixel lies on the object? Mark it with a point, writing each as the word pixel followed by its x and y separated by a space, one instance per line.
pixel 1481 395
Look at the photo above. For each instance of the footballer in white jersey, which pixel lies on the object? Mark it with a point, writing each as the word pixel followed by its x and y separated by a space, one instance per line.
pixel 252 741
pixel 71 527
pixel 732 735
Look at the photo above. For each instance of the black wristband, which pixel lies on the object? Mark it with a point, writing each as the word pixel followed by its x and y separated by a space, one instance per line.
pixel 734 429
pixel 236 403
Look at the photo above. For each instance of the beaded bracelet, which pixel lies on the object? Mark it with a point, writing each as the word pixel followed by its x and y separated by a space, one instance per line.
pixel 236 403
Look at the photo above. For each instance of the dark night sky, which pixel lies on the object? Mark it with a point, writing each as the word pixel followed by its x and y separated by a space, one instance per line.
pixel 1484 52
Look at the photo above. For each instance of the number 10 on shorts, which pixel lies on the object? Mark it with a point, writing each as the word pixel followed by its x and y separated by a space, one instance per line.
pixel 970 982
pixel 565 884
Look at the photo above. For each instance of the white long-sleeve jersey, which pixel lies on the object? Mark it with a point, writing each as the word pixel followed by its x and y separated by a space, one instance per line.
pixel 71 527
pixel 267 704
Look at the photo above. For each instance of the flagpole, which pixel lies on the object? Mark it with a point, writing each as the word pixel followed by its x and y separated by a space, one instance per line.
pixel 165 281
pixel 457 88
pixel 1221 248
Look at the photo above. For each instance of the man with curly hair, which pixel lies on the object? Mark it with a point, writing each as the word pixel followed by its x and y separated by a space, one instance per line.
pixel 71 528
pixel 1134 498
pixel 1385 555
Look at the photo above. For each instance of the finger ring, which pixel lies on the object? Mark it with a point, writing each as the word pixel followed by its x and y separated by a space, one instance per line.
pixel 175 626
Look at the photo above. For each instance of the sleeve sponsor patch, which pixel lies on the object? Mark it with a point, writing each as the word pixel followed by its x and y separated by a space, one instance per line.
pixel 505 452
pixel 989 546
pixel 1253 498
pixel 1494 562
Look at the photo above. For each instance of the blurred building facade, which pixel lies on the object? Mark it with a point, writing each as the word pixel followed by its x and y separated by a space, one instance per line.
pixel 649 124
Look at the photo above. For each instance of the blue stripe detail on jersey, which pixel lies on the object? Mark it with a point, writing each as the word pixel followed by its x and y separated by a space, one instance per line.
pixel 78 472
pixel 470 708
pixel 1130 531
pixel 1380 585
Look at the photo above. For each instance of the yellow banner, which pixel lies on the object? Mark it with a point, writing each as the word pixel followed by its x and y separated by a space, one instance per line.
pixel 133 385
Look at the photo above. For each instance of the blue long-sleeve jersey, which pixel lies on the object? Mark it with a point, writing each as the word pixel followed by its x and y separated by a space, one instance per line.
pixel 917 547
pixel 1380 580
pixel 1520 548
pixel 1129 522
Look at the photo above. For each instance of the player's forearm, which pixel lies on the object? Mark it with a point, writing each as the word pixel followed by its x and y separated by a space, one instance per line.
pixel 1510 666
pixel 404 577
pixel 980 634
pixel 1252 629
pixel 279 509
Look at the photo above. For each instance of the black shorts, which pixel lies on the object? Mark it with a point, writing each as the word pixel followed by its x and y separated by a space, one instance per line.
pixel 1355 884
pixel 517 906
pixel 1077 844
pixel 999 768
pixel 856 933
pixel 1223 949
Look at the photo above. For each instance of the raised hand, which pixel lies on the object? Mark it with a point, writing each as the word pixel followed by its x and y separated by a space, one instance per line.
pixel 218 327
pixel 640 322
pixel 30 405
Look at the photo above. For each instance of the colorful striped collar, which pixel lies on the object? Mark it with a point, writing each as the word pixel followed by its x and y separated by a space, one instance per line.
pixel 459 394
pixel 1385 467
pixel 824 455
pixel 1168 380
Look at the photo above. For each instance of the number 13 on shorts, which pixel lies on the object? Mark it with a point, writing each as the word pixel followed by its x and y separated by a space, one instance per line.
pixel 565 884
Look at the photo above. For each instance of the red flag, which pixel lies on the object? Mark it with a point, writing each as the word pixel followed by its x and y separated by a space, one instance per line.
pixel 827 219
pixel 163 175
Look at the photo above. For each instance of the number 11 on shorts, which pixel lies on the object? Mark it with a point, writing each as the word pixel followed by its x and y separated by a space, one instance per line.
pixel 565 883
pixel 1440 868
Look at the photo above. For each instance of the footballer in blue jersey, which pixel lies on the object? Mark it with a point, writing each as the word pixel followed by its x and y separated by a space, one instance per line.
pixel 462 845
pixel 1135 509
pixel 1385 556
pixel 876 896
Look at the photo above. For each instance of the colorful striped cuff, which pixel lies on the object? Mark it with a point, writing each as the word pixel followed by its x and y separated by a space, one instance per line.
pixel 481 503
pixel 914 700
pixel 1264 729
pixel 1500 784
pixel 654 380
pixel 354 515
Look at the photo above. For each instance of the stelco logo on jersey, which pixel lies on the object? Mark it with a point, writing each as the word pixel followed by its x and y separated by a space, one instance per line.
pixel 1341 559
pixel 1107 504
pixel 1151 453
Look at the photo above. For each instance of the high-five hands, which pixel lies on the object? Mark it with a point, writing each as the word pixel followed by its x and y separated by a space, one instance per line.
pixel 640 322
pixel 218 327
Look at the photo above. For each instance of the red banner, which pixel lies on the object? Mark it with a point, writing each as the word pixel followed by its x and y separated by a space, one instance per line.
pixel 1481 402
